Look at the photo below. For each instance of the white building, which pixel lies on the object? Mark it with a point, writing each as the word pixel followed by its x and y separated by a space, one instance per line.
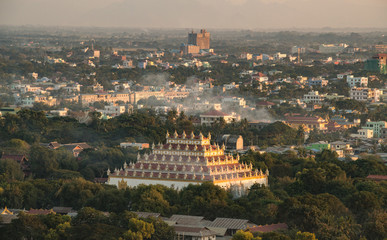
pixel 364 133
pixel 357 81
pixel 231 86
pixel 213 116
pixel 60 112
pixel 279 56
pixel 189 159
pixel 234 101
pixel 314 97
pixel 365 94
pixel 332 48
pixel 113 111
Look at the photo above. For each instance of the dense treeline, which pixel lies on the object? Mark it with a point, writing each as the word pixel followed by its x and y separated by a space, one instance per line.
pixel 88 224
pixel 324 196
pixel 321 195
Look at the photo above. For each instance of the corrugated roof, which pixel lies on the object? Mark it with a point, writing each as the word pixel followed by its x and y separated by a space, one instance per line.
pixel 193 231
pixel 229 223
pixel 147 214
pixel 186 219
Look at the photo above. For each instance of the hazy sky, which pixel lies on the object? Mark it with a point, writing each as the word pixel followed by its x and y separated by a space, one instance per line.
pixel 250 14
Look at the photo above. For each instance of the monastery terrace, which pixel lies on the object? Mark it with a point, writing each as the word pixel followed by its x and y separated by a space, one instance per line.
pixel 189 159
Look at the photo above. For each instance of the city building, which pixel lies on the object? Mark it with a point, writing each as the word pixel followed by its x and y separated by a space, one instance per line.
pixel 279 56
pixel 357 81
pixel 234 101
pixel 231 142
pixel 378 63
pixel 140 146
pixel 212 116
pixel 384 133
pixel 364 133
pixel 134 97
pixel 188 49
pixel 341 148
pixel 112 110
pixel 188 159
pixel 308 123
pixel 318 146
pixel 314 97
pixel 377 127
pixel 365 94
pixel 201 39
pixel 332 48
pixel 320 82
pixel 295 49
pixel 88 99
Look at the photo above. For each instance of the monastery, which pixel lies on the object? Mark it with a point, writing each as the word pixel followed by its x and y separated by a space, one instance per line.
pixel 188 159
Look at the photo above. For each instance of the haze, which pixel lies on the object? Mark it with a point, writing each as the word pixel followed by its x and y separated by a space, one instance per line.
pixel 246 14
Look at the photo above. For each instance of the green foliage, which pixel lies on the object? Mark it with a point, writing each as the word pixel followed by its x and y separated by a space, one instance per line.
pixel 11 169
pixel 242 235
pixel 305 236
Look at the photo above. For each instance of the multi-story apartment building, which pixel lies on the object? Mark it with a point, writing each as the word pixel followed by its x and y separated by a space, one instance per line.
pixel 88 99
pixel 377 127
pixel 201 39
pixel 357 81
pixel 314 97
pixel 365 94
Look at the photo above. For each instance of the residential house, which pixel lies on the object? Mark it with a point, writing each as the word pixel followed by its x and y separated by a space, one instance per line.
pixel 213 116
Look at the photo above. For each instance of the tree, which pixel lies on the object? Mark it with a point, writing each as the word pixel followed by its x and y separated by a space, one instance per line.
pixel 11 169
pixel 326 155
pixel 42 161
pixel 305 236
pixel 242 235
pixel 138 230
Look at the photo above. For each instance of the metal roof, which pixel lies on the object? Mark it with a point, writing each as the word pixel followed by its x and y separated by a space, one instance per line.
pixel 229 223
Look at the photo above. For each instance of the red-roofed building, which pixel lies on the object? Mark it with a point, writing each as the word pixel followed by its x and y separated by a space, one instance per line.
pixel 309 123
pixel 265 104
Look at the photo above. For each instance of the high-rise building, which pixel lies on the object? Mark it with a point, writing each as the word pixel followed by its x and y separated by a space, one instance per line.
pixel 201 39
pixel 189 159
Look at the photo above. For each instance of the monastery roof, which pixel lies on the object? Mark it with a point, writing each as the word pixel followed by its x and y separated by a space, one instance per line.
pixel 40 211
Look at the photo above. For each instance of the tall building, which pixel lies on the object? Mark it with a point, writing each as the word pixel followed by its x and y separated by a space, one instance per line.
pixel 378 63
pixel 188 159
pixel 201 39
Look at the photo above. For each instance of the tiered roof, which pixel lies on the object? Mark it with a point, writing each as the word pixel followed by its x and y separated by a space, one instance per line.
pixel 188 158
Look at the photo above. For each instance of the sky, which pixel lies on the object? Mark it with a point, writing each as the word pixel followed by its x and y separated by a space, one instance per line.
pixel 228 14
